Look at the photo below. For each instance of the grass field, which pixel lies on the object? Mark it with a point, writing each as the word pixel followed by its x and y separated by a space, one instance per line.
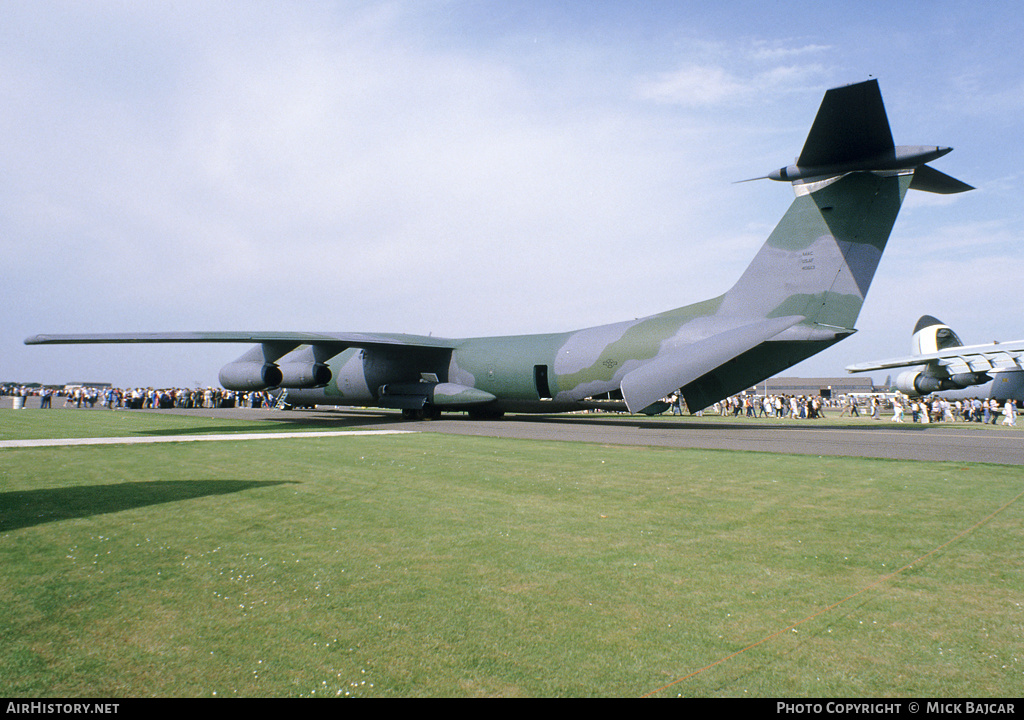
pixel 434 565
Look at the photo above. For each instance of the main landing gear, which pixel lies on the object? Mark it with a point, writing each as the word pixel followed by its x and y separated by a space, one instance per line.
pixel 425 413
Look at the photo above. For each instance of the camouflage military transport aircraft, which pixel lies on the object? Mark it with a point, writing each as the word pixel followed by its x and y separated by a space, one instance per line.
pixel 946 366
pixel 801 294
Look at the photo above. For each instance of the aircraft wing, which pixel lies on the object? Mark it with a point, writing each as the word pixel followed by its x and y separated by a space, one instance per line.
pixel 334 341
pixel 273 360
pixel 955 360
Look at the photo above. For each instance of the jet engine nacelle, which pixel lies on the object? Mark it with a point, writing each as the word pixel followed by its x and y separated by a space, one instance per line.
pixel 301 375
pixel 248 376
pixel 245 376
pixel 914 383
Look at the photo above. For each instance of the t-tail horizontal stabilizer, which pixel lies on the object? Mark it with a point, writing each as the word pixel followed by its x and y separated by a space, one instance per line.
pixel 931 180
pixel 851 134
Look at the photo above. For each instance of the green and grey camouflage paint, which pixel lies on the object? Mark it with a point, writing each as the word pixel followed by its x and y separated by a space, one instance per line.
pixel 802 293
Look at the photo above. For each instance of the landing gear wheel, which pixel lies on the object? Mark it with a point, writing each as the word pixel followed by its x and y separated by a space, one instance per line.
pixel 425 413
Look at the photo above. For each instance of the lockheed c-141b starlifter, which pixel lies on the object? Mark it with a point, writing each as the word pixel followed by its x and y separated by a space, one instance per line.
pixel 801 294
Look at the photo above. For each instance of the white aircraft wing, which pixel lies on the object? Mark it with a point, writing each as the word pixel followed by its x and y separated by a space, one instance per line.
pixel 961 359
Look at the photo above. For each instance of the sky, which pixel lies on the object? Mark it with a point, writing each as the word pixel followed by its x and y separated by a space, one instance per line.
pixel 470 168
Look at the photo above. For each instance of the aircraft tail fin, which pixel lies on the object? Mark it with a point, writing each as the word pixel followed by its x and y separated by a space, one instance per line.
pixel 816 267
pixel 932 335
pixel 850 181
pixel 818 263
pixel 821 258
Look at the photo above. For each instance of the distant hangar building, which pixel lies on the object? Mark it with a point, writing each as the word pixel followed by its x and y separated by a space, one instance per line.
pixel 827 387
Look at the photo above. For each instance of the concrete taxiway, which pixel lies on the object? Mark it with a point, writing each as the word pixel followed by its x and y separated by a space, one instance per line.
pixel 955 442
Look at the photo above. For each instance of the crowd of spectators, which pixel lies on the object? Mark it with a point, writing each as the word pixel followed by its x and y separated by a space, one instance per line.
pixel 901 408
pixel 937 409
pixel 140 398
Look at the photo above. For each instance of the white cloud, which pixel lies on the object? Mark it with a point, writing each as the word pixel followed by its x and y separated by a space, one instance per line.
pixel 772 52
pixel 695 86
pixel 727 75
